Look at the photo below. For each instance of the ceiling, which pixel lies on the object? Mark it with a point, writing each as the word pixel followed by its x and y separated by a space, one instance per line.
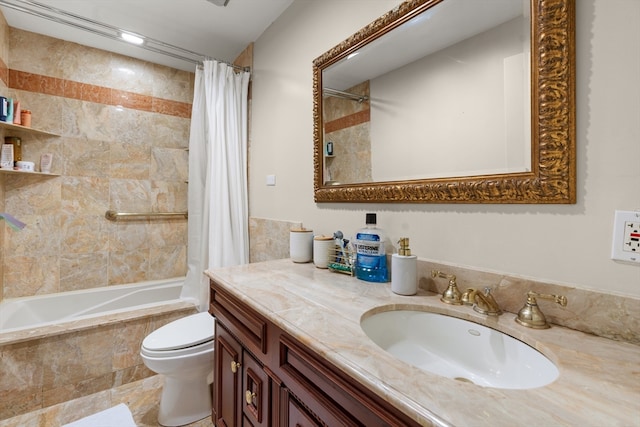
pixel 196 25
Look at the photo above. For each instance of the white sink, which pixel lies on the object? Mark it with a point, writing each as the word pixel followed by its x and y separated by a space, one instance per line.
pixel 459 349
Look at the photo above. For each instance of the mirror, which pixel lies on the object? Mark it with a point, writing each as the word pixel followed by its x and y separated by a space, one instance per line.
pixel 381 133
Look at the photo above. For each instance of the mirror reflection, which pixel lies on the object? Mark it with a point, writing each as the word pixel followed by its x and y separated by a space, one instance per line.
pixel 446 94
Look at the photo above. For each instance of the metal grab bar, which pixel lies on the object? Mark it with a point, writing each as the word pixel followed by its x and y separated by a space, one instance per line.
pixel 116 216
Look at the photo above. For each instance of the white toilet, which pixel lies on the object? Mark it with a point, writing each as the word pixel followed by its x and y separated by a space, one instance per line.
pixel 183 352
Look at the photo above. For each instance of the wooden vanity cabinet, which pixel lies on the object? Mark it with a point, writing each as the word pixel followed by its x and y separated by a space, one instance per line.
pixel 227 384
pixel 242 387
pixel 265 377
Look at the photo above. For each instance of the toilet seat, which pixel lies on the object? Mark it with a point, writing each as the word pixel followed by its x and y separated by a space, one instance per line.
pixel 188 335
pixel 175 354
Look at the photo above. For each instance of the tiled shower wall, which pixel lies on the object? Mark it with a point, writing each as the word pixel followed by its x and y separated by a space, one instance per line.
pixel 124 130
pixel 347 125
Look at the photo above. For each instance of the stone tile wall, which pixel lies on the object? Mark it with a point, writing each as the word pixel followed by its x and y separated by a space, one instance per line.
pixel 347 125
pixel 124 130
pixel 56 368
pixel 269 238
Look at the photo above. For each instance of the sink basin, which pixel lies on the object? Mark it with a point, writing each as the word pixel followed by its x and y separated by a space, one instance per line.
pixel 459 349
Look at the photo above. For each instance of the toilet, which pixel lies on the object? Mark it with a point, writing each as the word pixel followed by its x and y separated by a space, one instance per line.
pixel 182 351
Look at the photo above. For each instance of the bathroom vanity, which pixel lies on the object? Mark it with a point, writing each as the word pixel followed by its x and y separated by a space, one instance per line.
pixel 290 350
pixel 263 376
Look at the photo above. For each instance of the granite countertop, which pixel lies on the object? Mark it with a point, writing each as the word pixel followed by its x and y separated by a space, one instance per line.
pixel 599 382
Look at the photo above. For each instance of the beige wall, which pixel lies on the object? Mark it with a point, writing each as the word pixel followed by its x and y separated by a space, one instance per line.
pixel 124 128
pixel 560 244
pixel 460 121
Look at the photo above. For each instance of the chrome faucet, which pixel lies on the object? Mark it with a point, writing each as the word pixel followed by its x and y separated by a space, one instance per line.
pixel 531 316
pixel 482 303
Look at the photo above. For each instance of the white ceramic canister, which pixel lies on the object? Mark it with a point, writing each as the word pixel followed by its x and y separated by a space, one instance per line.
pixel 301 245
pixel 321 247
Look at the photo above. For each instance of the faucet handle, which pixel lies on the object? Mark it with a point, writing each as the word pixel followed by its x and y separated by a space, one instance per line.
pixel 451 295
pixel 531 316
pixel 559 299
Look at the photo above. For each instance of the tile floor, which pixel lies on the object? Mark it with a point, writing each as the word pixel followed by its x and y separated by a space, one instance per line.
pixel 142 397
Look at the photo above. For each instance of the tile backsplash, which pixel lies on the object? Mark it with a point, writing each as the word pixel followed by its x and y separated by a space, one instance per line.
pixel 607 315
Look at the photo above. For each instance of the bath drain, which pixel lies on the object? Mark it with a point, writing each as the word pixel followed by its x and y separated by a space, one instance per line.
pixel 464 380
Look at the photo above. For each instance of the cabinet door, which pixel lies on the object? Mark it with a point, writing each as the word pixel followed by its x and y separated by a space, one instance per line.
pixel 227 375
pixel 256 396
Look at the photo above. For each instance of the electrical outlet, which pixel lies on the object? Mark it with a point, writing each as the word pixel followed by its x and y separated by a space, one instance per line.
pixel 626 236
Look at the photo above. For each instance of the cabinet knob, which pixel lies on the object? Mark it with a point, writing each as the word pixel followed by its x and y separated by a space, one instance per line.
pixel 249 396
pixel 234 366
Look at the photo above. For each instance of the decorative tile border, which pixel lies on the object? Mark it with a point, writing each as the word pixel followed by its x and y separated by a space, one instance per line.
pixel 348 121
pixel 30 82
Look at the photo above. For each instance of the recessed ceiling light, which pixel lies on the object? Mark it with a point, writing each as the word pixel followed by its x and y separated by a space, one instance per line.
pixel 131 38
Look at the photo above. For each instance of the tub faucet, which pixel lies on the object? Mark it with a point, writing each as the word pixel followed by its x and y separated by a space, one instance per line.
pixel 531 316
pixel 482 303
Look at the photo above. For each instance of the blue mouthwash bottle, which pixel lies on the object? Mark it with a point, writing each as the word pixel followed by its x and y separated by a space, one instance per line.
pixel 371 258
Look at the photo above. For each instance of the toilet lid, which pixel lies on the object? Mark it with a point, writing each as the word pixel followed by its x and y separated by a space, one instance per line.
pixel 185 332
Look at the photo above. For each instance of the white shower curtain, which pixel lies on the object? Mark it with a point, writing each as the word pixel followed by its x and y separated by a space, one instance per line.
pixel 218 234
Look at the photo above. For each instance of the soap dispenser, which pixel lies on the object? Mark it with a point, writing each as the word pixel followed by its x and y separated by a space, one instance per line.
pixel 404 270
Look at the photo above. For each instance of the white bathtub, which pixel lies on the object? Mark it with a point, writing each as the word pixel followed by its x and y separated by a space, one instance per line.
pixel 49 336
pixel 42 310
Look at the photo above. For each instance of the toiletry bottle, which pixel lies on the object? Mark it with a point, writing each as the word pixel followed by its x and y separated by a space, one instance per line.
pixel 17 148
pixel 330 148
pixel 371 258
pixel 25 118
pixel 9 118
pixel 4 106
pixel 404 270
pixel 6 160
pixel 17 113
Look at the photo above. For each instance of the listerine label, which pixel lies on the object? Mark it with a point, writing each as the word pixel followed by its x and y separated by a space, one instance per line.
pixel 369 250
pixel 369 244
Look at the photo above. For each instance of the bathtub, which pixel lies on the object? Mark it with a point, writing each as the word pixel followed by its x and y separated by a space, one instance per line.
pixel 43 310
pixel 63 346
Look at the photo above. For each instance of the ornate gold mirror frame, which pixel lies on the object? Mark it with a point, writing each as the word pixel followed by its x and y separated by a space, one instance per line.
pixel 553 175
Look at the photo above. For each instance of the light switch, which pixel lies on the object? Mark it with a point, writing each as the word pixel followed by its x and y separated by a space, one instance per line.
pixel 271 180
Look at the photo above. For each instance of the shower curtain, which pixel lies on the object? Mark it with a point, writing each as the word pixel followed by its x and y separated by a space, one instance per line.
pixel 218 234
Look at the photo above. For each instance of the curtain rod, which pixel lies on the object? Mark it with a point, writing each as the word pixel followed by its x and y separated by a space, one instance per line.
pixel 161 47
pixel 343 94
